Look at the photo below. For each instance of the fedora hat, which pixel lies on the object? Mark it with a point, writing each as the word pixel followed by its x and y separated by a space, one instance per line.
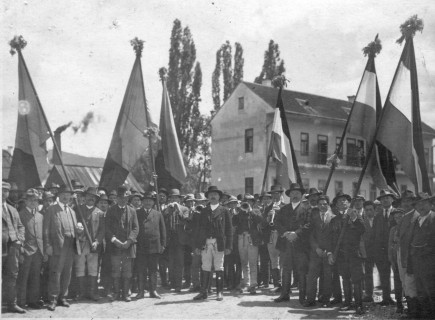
pixel 174 193
pixel 213 189
pixel 200 196
pixel 232 199
pixel 294 187
pixel 265 194
pixel 92 191
pixel 189 197
pixel 313 192
pixel 47 195
pixel 103 197
pixel 359 197
pixel 341 194
pixel 386 193
pixel 421 197
pixel 276 188
pixel 150 195
pixel 64 189
pixel 135 193
pixel 163 190
pixel 122 191
pixel 52 186
pixel 31 194
pixel 248 196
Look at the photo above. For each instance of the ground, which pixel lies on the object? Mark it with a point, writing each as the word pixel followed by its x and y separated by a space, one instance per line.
pixel 181 306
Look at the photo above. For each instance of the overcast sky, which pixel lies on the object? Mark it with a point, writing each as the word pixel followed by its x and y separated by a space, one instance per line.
pixel 79 55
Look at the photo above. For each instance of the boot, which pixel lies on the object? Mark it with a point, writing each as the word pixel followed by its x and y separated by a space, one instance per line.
pixel 413 308
pixel 398 296
pixel 82 288
pixel 52 305
pixel 94 289
pixel 276 276
pixel 140 287
pixel 219 285
pixel 13 307
pixel 204 286
pixel 153 286
pixel 116 286
pixel 357 293
pixel 285 292
pixel 126 289
pixel 347 288
pixel 302 289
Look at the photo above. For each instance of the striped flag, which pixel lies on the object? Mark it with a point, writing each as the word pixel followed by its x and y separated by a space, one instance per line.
pixel 128 142
pixel 29 165
pixel 282 147
pixel 169 161
pixel 399 128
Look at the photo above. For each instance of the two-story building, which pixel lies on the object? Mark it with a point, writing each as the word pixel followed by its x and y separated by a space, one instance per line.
pixel 241 131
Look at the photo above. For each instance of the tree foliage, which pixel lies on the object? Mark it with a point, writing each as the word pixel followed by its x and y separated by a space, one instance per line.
pixel 273 65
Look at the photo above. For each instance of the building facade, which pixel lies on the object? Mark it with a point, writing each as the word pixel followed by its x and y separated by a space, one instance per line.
pixel 241 131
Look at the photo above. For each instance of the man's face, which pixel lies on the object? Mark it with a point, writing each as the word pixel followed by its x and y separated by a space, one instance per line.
pixel 122 201
pixel 386 202
pixel 174 199
pixel 136 202
pixel 90 200
pixel 5 194
pixel 266 201
pixel 32 203
pixel 295 196
pixel 148 203
pixel 313 199
pixel 65 197
pixel 48 202
pixel 163 198
pixel 213 197
pixel 370 211
pixel 378 209
pixel 342 203
pixel 423 207
pixel 323 206
pixel 276 196
pixel 358 204
pixel 189 204
pixel 81 198
pixel 13 195
pixel 406 204
pixel 103 205
pixel 54 190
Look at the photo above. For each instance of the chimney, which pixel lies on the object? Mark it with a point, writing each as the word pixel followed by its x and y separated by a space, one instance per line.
pixel 267 82
pixel 57 138
pixel 351 99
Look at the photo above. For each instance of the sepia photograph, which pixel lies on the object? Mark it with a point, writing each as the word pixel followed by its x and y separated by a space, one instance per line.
pixel 218 159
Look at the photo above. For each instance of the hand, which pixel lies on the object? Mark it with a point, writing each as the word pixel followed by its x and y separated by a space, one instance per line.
pixel 49 251
pixel 331 259
pixel 18 243
pixel 197 252
pixel 291 236
pixel 95 245
pixel 80 227
pixel 117 243
pixel 227 251
pixel 319 252
pixel 126 244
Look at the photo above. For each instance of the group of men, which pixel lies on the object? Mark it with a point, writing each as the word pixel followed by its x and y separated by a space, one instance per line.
pixel 77 240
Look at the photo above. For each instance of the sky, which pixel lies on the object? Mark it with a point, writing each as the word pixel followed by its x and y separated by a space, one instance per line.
pixel 80 58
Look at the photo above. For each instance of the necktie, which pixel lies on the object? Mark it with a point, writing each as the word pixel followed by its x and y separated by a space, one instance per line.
pixel 323 218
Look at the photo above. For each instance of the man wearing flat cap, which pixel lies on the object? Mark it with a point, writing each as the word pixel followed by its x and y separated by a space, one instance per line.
pixel 214 239
pixel 33 252
pixel 13 235
pixel 122 229
pixel 86 263
pixel 151 242
pixel 61 243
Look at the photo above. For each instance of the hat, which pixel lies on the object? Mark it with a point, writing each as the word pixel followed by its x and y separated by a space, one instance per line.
pixel 64 189
pixel 6 185
pixel 103 197
pixel 276 188
pixel 294 187
pixel 377 203
pixel 122 191
pixel 163 190
pixel 359 197
pixel 214 189
pixel 313 192
pixel 248 196
pixel 76 184
pixel 113 193
pixel 386 193
pixel 135 193
pixel 52 186
pixel 31 193
pixel 265 194
pixel 174 192
pixel 92 191
pixel 200 197
pixel 341 194
pixel 47 195
pixel 101 190
pixel 150 195
pixel 232 199
pixel 323 197
pixel 189 197
pixel 421 197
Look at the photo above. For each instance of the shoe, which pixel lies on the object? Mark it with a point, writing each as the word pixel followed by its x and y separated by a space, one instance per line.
pixel 52 305
pixel 220 296
pixel 186 285
pixel 63 303
pixel 15 308
pixel 140 295
pixel 335 301
pixel 200 296
pixel 359 311
pixel 308 304
pixel 282 299
pixel 34 305
pixel 367 299
pixel 252 290
pixel 155 295
pixel 40 303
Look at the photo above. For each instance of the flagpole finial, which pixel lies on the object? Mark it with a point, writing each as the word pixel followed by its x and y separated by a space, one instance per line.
pixel 17 44
pixel 280 81
pixel 410 27
pixel 137 45
pixel 373 48
pixel 163 73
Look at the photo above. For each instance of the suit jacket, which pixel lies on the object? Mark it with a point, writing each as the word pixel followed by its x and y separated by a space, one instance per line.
pixel 113 228
pixel 381 232
pixel 53 229
pixel 350 244
pixel 423 239
pixel 152 232
pixel 17 224
pixel 404 232
pixel 322 233
pixel 220 221
pixel 297 220
pixel 177 224
pixel 253 220
pixel 34 235
pixel 368 238
pixel 96 225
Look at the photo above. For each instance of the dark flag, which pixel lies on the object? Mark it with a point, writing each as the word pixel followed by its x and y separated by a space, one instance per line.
pixel 128 141
pixel 29 165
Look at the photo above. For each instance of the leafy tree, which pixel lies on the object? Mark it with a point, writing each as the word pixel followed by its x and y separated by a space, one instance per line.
pixel 273 65
pixel 238 65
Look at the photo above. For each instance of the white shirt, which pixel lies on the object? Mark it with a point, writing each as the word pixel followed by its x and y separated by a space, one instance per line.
pixel 370 221
pixel 89 207
pixel 295 204
pixel 214 206
pixel 386 212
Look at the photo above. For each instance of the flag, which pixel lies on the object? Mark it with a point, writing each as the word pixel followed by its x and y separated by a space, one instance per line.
pixel 282 147
pixel 29 165
pixel 169 161
pixel 128 141
pixel 362 123
pixel 399 127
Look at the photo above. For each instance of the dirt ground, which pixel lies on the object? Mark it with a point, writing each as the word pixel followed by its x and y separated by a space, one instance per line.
pixel 181 306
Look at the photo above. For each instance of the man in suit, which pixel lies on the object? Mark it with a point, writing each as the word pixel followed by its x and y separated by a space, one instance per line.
pixel 151 242
pixel 122 229
pixel 382 224
pixel 293 224
pixel 86 263
pixel 369 210
pixel 164 258
pixel 33 253
pixel 13 234
pixel 423 255
pixel 321 243
pixel 214 239
pixel 61 243
pixel 358 205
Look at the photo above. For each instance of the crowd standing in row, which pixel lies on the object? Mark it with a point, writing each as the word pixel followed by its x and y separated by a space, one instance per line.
pixel 54 247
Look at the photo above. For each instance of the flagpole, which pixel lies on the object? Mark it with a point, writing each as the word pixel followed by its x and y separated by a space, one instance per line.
pixel 340 146
pixel 56 148
pixel 267 166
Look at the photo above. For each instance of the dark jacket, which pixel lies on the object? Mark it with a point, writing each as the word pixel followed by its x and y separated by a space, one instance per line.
pixel 250 221
pixel 423 238
pixel 218 220
pixel 368 237
pixel 113 229
pixel 34 240
pixel 177 224
pixel 152 232
pixel 350 244
pixel 322 233
pixel 404 231
pixel 95 224
pixel 297 220
pixel 18 226
pixel 381 233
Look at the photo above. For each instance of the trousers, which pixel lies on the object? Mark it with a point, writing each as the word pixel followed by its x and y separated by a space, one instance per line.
pixel 60 270
pixel 29 279
pixel 210 256
pixel 248 259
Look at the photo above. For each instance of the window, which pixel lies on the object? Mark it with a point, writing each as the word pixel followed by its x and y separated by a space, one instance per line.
pixel 306 183
pixel 304 143
pixel 361 152
pixel 249 140
pixel 337 143
pixel 321 185
pixel 352 153
pixel 322 149
pixel 373 192
pixel 338 186
pixel 249 185
pixel 241 103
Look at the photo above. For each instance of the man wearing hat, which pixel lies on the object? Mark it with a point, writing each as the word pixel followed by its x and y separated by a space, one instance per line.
pixel 276 192
pixel 293 224
pixel 214 239
pixel 53 188
pixel 163 198
pixel 113 197
pixel 86 263
pixel 122 229
pixel 104 253
pixel 358 205
pixel 369 262
pixel 382 224
pixel 151 242
pixel 177 218
pixel 14 195
pixel 313 196
pixel 164 257
pixel 13 236
pixel 423 255
pixel 61 243
pixel 33 252
pixel 265 205
pixel 135 199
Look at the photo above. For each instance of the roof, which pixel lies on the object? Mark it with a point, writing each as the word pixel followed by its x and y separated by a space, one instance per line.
pixel 310 104
pixel 78 160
